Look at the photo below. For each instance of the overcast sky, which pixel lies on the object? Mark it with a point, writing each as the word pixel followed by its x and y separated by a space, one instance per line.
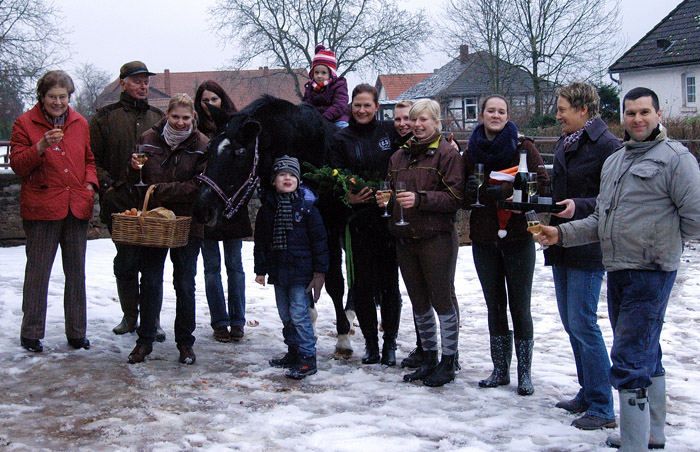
pixel 174 34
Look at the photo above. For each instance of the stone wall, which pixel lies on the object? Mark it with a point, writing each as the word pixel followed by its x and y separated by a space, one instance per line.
pixel 12 234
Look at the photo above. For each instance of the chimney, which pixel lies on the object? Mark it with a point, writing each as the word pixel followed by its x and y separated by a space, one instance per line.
pixel 463 52
pixel 166 77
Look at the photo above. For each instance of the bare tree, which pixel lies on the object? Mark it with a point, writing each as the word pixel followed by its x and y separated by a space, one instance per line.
pixel 31 41
pixel 363 34
pixel 92 82
pixel 554 41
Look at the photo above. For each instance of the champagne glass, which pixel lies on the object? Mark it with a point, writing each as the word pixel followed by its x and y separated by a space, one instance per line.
pixel 140 161
pixel 534 226
pixel 58 124
pixel 531 186
pixel 479 173
pixel 385 188
pixel 400 188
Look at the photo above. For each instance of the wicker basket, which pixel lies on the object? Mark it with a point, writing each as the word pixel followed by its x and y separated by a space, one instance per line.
pixel 150 231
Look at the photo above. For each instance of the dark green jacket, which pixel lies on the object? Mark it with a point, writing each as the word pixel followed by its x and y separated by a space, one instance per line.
pixel 113 133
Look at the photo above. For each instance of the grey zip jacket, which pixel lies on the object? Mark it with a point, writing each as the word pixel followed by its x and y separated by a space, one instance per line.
pixel 649 204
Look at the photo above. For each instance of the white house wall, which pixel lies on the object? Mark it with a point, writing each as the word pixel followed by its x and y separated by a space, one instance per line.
pixel 667 83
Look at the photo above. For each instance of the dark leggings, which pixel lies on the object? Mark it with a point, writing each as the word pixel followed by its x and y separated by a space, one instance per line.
pixel 506 265
pixel 376 275
pixel 427 267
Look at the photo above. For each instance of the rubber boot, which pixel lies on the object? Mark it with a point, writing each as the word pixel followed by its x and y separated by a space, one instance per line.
pixel 389 352
pixel 443 373
pixel 430 362
pixel 657 415
pixel 371 350
pixel 501 353
pixel 523 350
pixel 128 292
pixel 634 420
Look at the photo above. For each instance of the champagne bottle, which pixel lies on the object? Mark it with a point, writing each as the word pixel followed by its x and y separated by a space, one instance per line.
pixel 520 182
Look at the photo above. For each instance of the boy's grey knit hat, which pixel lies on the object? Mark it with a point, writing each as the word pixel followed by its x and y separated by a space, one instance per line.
pixel 286 164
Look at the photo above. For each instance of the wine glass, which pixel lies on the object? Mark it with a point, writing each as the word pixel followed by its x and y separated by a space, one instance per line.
pixel 58 124
pixel 534 226
pixel 479 173
pixel 400 188
pixel 385 188
pixel 140 161
pixel 531 186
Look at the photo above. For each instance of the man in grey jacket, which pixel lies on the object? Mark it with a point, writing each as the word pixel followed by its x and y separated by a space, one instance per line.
pixel 647 207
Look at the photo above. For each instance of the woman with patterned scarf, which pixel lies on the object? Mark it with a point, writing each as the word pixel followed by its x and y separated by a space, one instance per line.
pixel 578 271
pixel 426 248
pixel 504 252
pixel 176 152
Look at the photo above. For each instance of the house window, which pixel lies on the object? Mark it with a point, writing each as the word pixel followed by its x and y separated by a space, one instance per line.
pixel 689 85
pixel 462 111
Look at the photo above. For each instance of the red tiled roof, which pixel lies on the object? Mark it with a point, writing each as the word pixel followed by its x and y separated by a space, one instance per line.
pixel 242 86
pixel 395 84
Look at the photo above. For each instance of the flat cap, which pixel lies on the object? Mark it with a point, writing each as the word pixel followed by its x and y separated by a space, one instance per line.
pixel 133 68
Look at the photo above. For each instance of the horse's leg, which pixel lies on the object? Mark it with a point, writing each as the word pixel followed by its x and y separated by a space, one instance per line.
pixel 335 286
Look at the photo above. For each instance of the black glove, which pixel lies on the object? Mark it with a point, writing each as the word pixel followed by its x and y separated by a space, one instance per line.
pixel 493 193
pixel 472 186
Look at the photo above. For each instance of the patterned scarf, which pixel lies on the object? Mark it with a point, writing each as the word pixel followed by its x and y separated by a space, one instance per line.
pixel 569 140
pixel 52 120
pixel 175 137
pixel 283 219
pixel 320 86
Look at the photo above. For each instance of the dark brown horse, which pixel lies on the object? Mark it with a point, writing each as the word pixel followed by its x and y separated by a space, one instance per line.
pixel 243 153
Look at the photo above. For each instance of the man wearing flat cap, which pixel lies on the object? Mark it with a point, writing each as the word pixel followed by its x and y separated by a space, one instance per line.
pixel 113 132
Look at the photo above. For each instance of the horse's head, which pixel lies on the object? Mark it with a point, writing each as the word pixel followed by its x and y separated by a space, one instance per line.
pixel 231 160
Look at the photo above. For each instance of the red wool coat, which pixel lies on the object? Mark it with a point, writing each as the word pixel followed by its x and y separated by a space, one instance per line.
pixel 53 183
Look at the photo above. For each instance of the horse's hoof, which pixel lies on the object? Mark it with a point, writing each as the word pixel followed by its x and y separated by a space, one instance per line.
pixel 342 354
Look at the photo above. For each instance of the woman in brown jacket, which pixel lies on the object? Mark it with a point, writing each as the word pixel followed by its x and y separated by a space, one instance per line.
pixel 176 152
pixel 433 172
pixel 504 254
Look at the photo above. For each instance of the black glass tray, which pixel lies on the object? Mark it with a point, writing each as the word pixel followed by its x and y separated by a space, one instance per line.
pixel 525 206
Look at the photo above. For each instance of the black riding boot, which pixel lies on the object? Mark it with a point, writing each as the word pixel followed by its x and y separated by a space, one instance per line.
pixel 371 350
pixel 430 362
pixel 443 373
pixel 389 352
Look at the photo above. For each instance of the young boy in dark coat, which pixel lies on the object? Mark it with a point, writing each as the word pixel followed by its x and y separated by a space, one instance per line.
pixel 291 247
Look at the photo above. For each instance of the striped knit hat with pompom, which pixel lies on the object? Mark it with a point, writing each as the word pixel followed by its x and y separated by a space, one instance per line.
pixel 325 57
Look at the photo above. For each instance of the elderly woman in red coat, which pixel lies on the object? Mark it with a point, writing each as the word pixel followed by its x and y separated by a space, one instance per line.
pixel 50 150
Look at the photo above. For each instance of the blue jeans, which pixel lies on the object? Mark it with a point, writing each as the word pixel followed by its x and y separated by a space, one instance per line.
pixel 577 292
pixel 235 279
pixel 341 124
pixel 184 261
pixel 637 301
pixel 293 306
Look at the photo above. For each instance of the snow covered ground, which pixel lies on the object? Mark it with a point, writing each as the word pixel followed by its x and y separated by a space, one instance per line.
pixel 231 399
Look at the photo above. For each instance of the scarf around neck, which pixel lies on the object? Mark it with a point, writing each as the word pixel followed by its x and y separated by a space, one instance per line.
pixel 320 86
pixel 283 219
pixel 175 137
pixel 498 153
pixel 569 140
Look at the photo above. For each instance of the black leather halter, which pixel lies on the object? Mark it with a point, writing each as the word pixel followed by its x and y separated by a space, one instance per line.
pixel 242 195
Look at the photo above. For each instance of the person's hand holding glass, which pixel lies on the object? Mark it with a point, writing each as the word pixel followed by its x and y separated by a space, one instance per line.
pixel 384 196
pixel 138 159
pixel 404 198
pixel 534 226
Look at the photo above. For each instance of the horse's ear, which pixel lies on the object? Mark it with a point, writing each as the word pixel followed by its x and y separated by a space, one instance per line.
pixel 219 116
pixel 250 130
